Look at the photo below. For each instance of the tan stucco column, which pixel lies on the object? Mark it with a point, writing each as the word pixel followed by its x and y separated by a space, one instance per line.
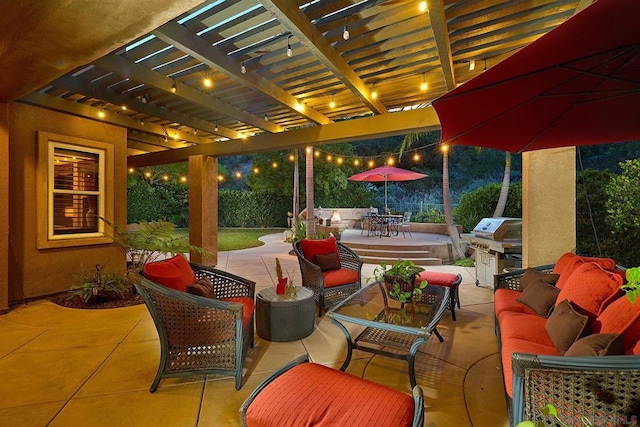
pixel 203 207
pixel 548 205
pixel 4 207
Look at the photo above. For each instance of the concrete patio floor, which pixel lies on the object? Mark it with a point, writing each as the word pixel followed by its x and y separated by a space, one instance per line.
pixel 69 367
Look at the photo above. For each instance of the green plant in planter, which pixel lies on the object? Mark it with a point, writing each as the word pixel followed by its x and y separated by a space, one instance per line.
pixel 149 240
pixel 400 279
pixel 100 286
pixel 632 287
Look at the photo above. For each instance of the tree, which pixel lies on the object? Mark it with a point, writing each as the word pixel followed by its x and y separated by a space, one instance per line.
pixel 504 190
pixel 623 205
pixel 446 201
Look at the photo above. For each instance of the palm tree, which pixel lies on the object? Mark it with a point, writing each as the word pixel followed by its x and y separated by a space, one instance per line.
pixel 446 199
pixel 504 190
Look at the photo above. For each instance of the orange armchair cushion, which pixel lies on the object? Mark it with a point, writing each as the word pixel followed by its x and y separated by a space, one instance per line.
pixel 310 394
pixel 175 273
pixel 248 305
pixel 313 247
pixel 342 276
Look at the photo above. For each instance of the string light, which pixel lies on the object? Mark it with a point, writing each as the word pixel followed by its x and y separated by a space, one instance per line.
pixel 216 128
pixel 391 161
pixel 444 148
pixel 238 174
pixel 207 82
pixel 329 157
pixel 371 163
pixel 174 87
pixel 220 178
pixel 183 179
pixel 332 103
pixel 317 153
pixel 124 108
pixel 289 50
pixel 101 114
pixel 292 157
pixel 356 162
pixel 424 86
pixel 472 65
pixel 274 165
pixel 256 170
pixel 131 170
pixel 374 94
pixel 243 69
pixel 339 160
pixel 416 157
pixel 423 6
pixel 345 33
pixel 165 177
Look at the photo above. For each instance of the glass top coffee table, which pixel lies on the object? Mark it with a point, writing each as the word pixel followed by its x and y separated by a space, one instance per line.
pixel 390 329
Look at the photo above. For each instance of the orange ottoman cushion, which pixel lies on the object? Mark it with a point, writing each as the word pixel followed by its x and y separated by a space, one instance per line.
pixel 314 395
pixel 339 277
pixel 440 279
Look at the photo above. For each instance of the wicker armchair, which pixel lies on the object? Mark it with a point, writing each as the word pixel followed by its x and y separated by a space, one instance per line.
pixel 314 278
pixel 198 335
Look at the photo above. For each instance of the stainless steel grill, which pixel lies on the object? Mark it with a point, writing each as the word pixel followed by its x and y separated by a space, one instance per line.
pixel 497 243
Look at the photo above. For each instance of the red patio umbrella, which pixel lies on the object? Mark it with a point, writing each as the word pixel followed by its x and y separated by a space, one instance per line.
pixel 386 173
pixel 579 84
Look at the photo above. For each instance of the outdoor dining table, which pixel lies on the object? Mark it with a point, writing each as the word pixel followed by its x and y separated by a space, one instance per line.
pixel 382 224
pixel 390 324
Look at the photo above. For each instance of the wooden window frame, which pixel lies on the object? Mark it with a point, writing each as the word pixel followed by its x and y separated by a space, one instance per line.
pixel 47 143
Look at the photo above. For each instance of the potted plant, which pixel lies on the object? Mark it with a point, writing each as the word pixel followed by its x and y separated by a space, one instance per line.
pixel 400 279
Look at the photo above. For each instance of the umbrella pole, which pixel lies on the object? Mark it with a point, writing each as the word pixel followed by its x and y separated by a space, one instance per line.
pixel 385 194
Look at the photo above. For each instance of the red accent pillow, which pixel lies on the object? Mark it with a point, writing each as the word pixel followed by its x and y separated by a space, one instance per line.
pixel 568 263
pixel 175 273
pixel 313 247
pixel 591 288
pixel 439 279
pixel 620 317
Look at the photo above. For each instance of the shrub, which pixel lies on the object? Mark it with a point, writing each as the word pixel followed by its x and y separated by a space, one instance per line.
pixel 481 203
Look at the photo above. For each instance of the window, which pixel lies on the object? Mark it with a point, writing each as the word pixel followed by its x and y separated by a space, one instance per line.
pixel 77 195
pixel 72 190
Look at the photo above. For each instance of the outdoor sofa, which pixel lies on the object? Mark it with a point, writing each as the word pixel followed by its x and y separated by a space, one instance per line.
pixel 569 337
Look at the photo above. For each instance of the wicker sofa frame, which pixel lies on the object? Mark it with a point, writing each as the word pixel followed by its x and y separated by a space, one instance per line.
pixel 417 394
pixel 312 277
pixel 605 390
pixel 198 335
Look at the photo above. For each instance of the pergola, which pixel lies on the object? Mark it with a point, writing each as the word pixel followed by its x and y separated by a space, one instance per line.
pixel 283 73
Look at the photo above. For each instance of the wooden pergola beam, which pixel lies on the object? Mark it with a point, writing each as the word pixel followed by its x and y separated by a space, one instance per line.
pixel 400 123
pixel 181 38
pixel 289 14
pixel 443 45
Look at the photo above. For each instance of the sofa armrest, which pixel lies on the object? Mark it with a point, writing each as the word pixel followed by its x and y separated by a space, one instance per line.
pixel 511 280
pixel 601 386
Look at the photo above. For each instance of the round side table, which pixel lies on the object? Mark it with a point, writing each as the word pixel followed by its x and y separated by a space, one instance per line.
pixel 285 317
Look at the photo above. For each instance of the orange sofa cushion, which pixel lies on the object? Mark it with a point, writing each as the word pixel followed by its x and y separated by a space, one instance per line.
pixel 568 262
pixel 342 276
pixel 310 394
pixel 175 273
pixel 506 301
pixel 523 326
pixel 620 317
pixel 313 247
pixel 521 346
pixel 590 288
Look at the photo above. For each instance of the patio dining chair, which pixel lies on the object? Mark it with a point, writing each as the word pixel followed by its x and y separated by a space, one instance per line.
pixel 403 224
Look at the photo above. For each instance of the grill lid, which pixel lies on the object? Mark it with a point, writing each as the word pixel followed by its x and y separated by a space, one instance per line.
pixel 502 228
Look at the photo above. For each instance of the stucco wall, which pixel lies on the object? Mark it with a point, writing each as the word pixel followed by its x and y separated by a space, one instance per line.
pixel 4 208
pixel 36 272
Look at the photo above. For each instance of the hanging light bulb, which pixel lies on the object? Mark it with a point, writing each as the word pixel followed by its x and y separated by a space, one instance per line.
pixel 289 50
pixel 216 128
pixel 423 6
pixel 266 117
pixel 174 87
pixel 472 65
pixel 243 69
pixel 345 33
pixel 374 94
pixel 332 104
pixel 424 86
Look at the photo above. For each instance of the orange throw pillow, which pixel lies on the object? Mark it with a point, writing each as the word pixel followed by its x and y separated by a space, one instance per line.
pixel 175 273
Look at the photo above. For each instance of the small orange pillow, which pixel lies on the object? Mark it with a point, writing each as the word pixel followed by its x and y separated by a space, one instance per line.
pixel 567 264
pixel 175 273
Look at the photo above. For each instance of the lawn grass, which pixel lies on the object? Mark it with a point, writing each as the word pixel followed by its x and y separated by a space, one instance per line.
pixel 231 239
